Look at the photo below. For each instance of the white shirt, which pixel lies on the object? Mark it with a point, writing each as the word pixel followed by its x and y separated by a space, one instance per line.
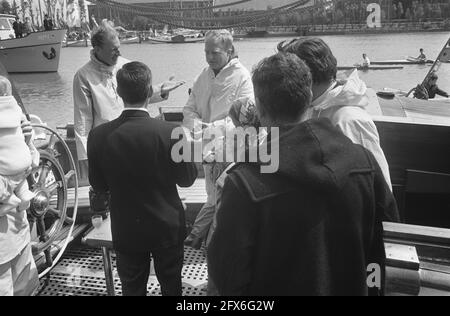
pixel 135 109
pixel 96 100
pixel 14 230
pixel 366 62
pixel 212 96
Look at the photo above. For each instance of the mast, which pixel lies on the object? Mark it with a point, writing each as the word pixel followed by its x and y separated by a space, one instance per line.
pixel 40 12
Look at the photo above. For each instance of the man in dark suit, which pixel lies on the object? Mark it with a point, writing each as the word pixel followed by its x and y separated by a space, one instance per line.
pixel 16 27
pixel 131 158
pixel 46 25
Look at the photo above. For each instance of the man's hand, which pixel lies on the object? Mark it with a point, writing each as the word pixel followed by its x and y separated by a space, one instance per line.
pixel 27 130
pixel 170 85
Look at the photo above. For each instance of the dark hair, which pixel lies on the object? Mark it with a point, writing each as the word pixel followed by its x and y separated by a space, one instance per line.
pixel 134 82
pixel 283 86
pixel 316 54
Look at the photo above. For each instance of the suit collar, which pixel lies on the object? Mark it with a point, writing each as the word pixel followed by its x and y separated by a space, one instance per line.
pixel 135 113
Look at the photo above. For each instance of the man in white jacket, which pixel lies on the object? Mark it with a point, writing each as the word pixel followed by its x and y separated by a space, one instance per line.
pixel 95 89
pixel 213 93
pixel 344 103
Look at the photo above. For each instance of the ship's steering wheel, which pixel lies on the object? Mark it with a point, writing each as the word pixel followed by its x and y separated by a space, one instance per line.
pixel 50 211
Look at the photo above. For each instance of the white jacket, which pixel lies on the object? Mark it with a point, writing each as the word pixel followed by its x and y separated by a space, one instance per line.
pixel 345 105
pixel 212 96
pixel 15 155
pixel 14 230
pixel 96 100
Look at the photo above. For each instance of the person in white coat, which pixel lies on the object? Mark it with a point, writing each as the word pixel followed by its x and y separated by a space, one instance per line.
pixel 95 96
pixel 224 81
pixel 344 103
pixel 18 272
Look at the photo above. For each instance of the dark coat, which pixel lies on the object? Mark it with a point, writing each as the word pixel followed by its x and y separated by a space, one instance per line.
pixel 434 90
pixel 48 24
pixel 131 158
pixel 312 228
pixel 16 27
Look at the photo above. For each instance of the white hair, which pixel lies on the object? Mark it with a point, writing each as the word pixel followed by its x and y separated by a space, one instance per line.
pixel 103 32
pixel 223 36
pixel 5 86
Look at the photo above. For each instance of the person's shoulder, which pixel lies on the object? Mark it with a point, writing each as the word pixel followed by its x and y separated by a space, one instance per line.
pixel 85 70
pixel 161 125
pixel 102 130
pixel 238 66
pixel 202 77
pixel 258 186
pixel 204 73
pixel 352 115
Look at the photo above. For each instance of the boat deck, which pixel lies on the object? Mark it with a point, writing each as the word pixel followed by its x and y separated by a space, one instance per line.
pixel 80 273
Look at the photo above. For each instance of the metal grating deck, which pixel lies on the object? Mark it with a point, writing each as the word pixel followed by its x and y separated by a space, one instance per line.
pixel 80 273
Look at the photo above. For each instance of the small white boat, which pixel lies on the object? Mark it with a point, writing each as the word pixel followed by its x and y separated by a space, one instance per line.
pixel 127 37
pixel 408 61
pixel 36 52
pixel 130 40
pixel 76 43
pixel 363 68
pixel 177 39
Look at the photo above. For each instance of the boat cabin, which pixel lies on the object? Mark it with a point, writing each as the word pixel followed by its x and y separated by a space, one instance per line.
pixel 6 26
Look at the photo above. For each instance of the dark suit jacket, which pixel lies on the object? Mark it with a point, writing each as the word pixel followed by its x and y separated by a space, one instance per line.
pixel 130 157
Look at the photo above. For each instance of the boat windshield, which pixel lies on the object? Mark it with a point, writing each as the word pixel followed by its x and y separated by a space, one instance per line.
pixel 4 25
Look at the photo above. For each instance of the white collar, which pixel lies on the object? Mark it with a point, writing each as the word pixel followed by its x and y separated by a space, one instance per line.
pixel 233 62
pixel 136 109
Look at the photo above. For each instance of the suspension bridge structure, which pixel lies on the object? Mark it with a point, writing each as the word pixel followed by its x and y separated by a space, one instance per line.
pixel 209 14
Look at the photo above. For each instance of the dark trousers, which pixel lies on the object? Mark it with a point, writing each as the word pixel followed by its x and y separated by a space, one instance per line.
pixel 134 271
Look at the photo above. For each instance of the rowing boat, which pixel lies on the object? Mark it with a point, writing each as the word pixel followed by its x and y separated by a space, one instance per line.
pixel 408 61
pixel 369 68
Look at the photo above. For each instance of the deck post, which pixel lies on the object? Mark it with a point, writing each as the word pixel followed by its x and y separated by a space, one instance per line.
pixel 108 271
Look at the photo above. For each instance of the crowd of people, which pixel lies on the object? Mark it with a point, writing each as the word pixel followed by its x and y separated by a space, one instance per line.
pixel 23 28
pixel 311 228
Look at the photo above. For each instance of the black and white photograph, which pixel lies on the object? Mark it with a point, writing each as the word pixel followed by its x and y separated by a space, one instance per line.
pixel 226 154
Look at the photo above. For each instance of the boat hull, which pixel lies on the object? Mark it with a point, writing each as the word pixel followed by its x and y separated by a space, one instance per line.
pixel 415 137
pixel 37 52
pixel 78 43
pixel 188 40
pixel 131 40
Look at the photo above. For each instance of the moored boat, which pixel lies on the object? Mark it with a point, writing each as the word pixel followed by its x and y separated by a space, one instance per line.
pixel 408 61
pixel 36 52
pixel 76 43
pixel 177 39
pixel 362 68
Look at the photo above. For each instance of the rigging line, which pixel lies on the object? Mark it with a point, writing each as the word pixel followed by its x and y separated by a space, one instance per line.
pixel 210 27
pixel 258 16
pixel 158 8
pixel 113 4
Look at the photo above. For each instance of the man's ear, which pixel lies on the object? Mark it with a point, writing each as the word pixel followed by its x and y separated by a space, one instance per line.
pixel 119 90
pixel 150 92
pixel 95 48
